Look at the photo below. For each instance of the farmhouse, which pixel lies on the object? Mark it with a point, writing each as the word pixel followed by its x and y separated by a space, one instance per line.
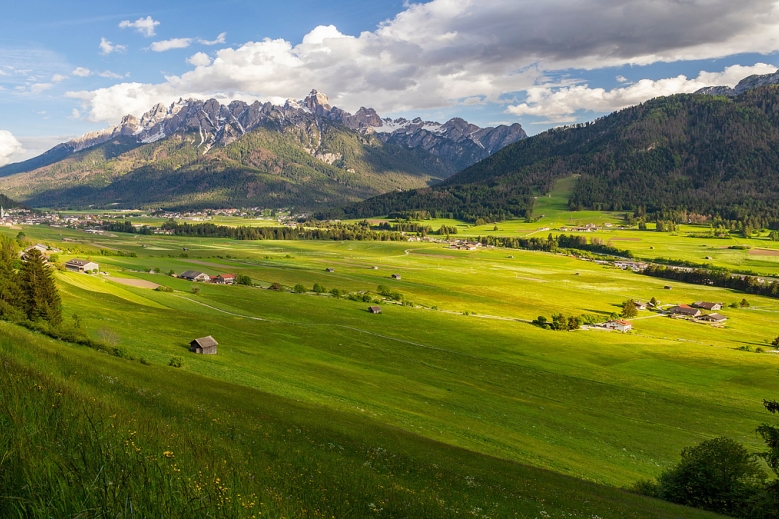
pixel 374 309
pixel 203 345
pixel 193 275
pixel 224 279
pixel 80 265
pixel 708 306
pixel 713 318
pixel 620 325
pixel 640 305
pixel 395 276
pixel 684 310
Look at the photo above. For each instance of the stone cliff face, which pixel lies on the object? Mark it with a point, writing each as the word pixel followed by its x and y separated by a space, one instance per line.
pixel 218 125
pixel 748 83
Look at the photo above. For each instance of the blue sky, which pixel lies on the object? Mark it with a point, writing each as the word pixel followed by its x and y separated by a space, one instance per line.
pixel 67 68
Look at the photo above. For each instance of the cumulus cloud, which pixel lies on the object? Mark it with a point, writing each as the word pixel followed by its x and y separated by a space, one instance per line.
pixel 219 39
pixel 144 26
pixel 561 104
pixel 174 43
pixel 442 52
pixel 9 146
pixel 107 47
pixel 56 78
pixel 200 59
pixel 81 72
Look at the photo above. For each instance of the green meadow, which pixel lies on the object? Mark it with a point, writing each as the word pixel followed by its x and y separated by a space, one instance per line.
pixel 461 364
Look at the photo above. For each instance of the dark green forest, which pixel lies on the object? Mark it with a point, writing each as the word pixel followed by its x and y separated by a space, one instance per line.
pixel 701 154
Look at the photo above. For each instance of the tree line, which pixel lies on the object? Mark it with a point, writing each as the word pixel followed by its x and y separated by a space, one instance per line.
pixel 716 277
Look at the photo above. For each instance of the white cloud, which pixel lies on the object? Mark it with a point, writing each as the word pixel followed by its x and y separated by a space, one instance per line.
pixel 107 47
pixel 9 146
pixel 144 26
pixel 75 114
pixel 174 43
pixel 622 79
pixel 200 59
pixel 81 72
pixel 561 104
pixel 56 78
pixel 37 88
pixel 441 52
pixel 219 39
pixel 108 73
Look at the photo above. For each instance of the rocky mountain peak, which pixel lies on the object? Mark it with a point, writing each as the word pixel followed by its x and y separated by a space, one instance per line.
pixel 215 124
pixel 746 84
pixel 318 103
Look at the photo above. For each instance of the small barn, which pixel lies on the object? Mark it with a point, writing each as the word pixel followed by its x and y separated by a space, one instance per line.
pixel 713 318
pixel 80 265
pixel 329 269
pixel 374 309
pixel 204 345
pixel 395 276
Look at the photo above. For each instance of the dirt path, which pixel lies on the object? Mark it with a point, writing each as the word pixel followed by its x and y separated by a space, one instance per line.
pixel 140 283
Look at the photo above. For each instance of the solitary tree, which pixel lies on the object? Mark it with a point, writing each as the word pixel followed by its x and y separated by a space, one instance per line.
pixel 41 299
pixel 629 309
pixel 744 303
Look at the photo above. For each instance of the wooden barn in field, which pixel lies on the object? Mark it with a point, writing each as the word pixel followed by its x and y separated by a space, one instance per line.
pixel 374 309
pixel 204 345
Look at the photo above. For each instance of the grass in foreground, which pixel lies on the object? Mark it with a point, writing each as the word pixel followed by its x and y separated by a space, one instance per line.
pixel 88 435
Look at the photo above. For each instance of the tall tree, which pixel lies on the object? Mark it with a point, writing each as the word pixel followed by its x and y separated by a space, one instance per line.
pixel 41 299
pixel 11 297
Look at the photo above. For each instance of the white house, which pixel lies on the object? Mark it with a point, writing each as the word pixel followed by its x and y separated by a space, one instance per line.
pixel 620 325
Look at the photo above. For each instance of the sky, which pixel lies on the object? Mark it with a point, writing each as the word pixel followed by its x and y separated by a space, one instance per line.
pixel 67 68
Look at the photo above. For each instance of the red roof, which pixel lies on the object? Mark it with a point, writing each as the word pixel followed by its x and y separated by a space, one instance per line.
pixel 225 276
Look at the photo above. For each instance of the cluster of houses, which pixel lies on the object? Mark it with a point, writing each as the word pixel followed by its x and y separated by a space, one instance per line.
pixel 194 275
pixel 694 312
pixel 465 245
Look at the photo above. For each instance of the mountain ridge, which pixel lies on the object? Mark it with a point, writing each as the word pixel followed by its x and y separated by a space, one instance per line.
pixel 330 154
pixel 701 154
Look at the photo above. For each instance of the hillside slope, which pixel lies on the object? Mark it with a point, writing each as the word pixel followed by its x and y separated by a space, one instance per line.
pixel 696 153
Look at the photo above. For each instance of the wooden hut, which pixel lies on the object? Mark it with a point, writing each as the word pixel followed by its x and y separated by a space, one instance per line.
pixel 374 309
pixel 203 345
pixel 395 276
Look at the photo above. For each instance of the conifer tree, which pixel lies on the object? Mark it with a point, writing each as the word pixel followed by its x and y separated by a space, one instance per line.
pixel 11 297
pixel 41 299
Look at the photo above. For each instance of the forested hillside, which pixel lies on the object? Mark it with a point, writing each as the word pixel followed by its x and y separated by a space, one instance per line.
pixel 695 153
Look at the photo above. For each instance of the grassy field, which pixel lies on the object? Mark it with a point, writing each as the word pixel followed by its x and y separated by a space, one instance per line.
pixel 461 367
pixel 762 255
pixel 88 434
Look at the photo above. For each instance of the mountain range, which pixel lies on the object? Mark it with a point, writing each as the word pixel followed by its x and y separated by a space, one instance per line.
pixel 714 155
pixel 203 153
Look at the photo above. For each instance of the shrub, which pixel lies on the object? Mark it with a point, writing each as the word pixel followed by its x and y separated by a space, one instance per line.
pixel 300 289
pixel 195 290
pixel 175 362
pixel 319 289
pixel 276 286
pixel 163 288
pixel 719 475
pixel 243 279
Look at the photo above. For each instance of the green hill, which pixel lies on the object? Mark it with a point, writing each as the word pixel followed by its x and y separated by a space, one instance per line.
pixel 270 167
pixel 685 153
pixel 86 434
